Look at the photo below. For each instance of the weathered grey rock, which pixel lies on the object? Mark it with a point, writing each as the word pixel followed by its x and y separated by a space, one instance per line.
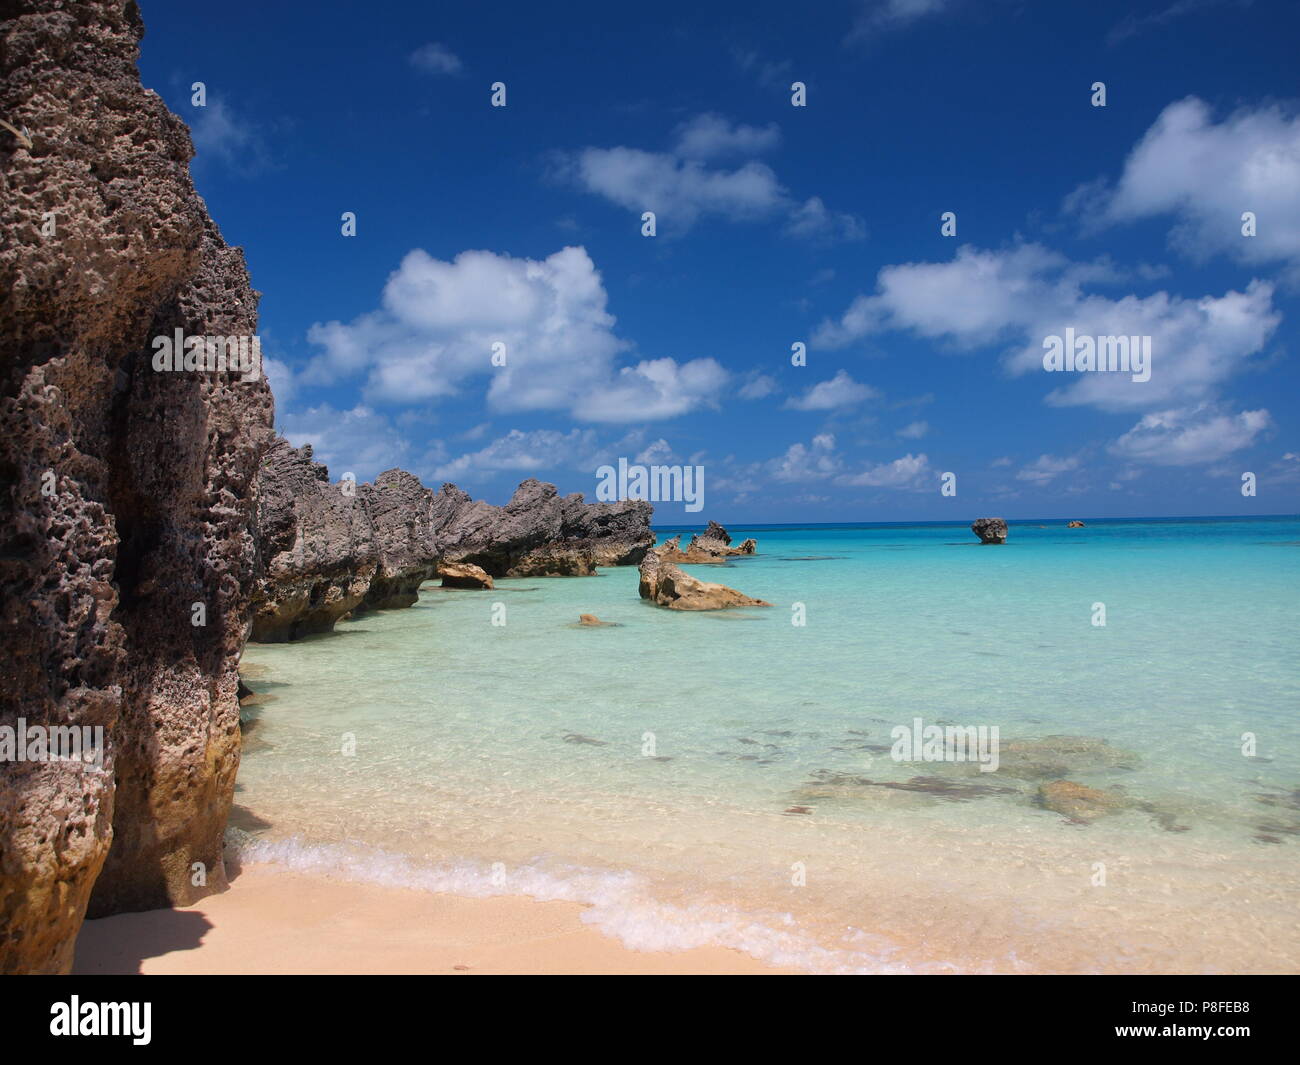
pixel 540 534
pixel 400 509
pixel 125 494
pixel 990 530
pixel 709 548
pixel 664 584
pixel 326 553
pixel 316 545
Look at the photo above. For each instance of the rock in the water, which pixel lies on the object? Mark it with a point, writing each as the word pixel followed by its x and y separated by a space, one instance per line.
pixel 1074 525
pixel 128 491
pixel 330 551
pixel 1079 803
pixel 664 584
pixel 990 530
pixel 316 544
pixel 592 620
pixel 1059 756
pixel 401 511
pixel 711 547
pixel 463 575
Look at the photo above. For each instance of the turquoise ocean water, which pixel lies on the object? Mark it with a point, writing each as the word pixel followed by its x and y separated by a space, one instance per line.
pixel 722 777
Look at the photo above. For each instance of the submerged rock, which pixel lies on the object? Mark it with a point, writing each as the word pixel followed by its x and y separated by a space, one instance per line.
pixel 1079 803
pixel 664 584
pixel 1061 756
pixel 128 491
pixel 990 530
pixel 592 621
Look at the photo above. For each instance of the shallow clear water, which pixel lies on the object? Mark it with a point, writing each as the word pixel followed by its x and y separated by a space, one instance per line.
pixel 649 768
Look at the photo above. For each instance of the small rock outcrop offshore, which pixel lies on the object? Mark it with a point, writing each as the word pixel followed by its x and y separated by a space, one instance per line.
pixel 126 488
pixel 664 584
pixel 990 530
pixel 712 547
pixel 327 551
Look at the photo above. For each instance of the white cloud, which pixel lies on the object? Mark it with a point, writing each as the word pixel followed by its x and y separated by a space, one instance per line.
pixel 524 453
pixel 914 430
pixel 658 452
pixel 438 323
pixel 220 135
pixel 435 58
pixel 905 472
pixel 1046 468
pixel 1206 174
pixel 1190 436
pixel 814 221
pixel 1023 294
pixel 807 462
pixel 840 391
pixel 681 188
pixel 759 386
pixel 712 136
pixel 877 16
pixel 658 388
pixel 360 441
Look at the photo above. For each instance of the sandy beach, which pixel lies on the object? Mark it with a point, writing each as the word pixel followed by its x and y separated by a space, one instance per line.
pixel 273 921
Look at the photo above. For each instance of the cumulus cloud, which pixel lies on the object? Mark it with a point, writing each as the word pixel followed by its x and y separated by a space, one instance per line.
pixel 1019 296
pixel 1206 174
pixel 360 441
pixel 658 388
pixel 232 140
pixel 758 386
pixel 681 187
pixel 840 391
pixel 807 462
pixel 711 136
pixel 914 430
pixel 435 58
pixel 906 472
pixel 524 454
pixel 1190 436
pixel 1046 468
pixel 440 324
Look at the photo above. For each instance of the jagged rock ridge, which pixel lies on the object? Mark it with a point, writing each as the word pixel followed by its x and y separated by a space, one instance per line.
pixel 330 550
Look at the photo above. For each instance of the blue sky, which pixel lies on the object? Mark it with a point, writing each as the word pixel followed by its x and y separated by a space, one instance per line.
pixel 775 225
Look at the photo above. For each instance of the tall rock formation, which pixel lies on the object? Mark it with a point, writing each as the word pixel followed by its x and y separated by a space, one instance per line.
pixel 126 493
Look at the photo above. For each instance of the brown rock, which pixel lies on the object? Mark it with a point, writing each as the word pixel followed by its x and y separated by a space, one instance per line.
pixel 667 586
pixel 1079 803
pixel 463 575
pixel 128 491
pixel 1074 525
